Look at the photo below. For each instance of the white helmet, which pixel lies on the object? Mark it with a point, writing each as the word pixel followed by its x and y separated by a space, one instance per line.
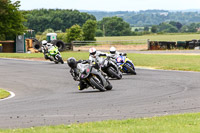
pixel 112 50
pixel 92 51
pixel 49 45
pixel 44 42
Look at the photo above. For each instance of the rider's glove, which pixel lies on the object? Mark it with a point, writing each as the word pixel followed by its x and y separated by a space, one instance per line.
pixel 75 78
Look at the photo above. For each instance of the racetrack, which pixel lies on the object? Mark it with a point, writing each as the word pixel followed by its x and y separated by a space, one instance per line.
pixel 46 94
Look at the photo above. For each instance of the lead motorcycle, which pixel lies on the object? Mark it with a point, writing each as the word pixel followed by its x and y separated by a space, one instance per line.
pixel 125 65
pixel 92 76
pixel 110 67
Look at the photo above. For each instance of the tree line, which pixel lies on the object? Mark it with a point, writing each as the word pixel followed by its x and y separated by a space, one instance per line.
pixel 78 25
pixel 150 17
pixel 56 19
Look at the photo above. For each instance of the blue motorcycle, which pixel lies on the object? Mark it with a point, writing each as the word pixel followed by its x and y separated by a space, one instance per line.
pixel 125 65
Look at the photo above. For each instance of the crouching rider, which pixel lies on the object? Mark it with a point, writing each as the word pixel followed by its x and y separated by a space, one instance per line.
pixel 45 50
pixel 114 54
pixel 75 71
pixel 95 55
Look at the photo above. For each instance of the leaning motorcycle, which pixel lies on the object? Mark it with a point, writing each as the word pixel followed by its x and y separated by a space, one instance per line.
pixel 125 65
pixel 55 55
pixel 110 67
pixel 92 76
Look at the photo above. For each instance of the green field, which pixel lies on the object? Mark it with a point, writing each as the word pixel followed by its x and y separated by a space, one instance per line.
pixel 152 37
pixel 183 123
pixel 3 94
pixel 158 61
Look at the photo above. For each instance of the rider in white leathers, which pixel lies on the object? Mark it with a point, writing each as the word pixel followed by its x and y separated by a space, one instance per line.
pixel 114 54
pixel 45 47
pixel 95 55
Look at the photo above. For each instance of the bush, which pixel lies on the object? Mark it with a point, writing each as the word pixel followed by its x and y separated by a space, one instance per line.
pixel 89 30
pixel 62 36
pixel 75 33
pixel 99 33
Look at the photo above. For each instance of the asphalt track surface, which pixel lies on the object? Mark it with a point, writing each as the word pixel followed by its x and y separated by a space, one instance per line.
pixel 46 94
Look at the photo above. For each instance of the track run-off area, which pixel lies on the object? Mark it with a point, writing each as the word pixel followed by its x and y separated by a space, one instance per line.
pixel 46 94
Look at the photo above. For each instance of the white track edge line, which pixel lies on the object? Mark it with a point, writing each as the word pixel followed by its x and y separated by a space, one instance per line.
pixel 12 94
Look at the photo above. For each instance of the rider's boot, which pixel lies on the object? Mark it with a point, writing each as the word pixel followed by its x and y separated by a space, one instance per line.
pixel 82 86
pixel 46 57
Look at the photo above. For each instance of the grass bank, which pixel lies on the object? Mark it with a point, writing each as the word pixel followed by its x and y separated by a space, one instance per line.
pixel 167 62
pixel 158 61
pixel 183 123
pixel 3 94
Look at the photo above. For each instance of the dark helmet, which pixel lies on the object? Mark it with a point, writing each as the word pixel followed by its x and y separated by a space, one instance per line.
pixel 71 62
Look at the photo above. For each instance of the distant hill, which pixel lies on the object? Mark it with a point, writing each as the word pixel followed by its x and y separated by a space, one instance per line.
pixel 151 17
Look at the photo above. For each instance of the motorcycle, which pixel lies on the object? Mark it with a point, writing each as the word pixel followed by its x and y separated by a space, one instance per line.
pixel 92 76
pixel 109 67
pixel 52 54
pixel 125 65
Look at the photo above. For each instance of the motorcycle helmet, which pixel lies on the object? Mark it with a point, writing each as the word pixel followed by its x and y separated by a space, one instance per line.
pixel 44 42
pixel 71 62
pixel 49 45
pixel 112 50
pixel 92 51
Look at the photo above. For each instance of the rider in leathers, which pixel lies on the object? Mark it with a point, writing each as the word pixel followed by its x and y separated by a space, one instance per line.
pixel 114 54
pixel 45 47
pixel 75 72
pixel 95 55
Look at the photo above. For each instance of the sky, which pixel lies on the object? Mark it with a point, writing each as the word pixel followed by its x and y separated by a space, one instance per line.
pixel 110 5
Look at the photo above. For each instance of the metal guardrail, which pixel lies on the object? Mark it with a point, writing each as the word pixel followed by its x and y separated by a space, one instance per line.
pixel 163 45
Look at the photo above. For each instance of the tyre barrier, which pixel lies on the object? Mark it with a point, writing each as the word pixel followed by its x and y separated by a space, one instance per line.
pixel 60 44
pixel 36 44
pixel 163 45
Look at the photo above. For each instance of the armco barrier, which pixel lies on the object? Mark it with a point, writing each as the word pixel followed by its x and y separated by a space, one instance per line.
pixel 163 45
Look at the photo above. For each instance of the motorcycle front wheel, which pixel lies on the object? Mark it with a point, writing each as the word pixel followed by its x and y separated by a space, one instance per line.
pixel 109 87
pixel 60 59
pixel 131 70
pixel 95 82
pixel 114 73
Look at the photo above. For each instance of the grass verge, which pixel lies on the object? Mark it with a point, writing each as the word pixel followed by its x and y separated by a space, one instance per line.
pixel 167 62
pixel 182 123
pixel 158 61
pixel 3 94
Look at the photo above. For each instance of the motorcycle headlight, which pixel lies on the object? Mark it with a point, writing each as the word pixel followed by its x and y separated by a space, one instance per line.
pixel 120 60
